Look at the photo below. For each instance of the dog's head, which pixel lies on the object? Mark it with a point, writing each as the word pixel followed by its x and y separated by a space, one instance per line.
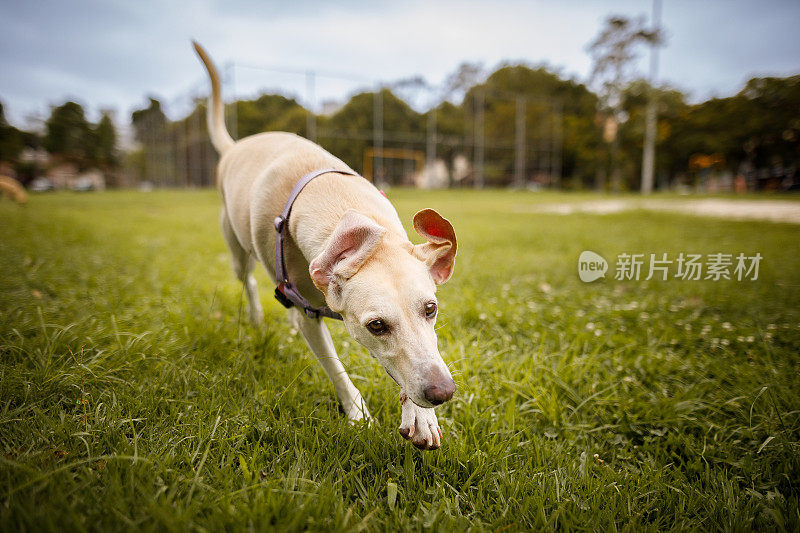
pixel 385 289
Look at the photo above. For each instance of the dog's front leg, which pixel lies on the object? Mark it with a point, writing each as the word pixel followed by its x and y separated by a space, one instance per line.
pixel 319 340
pixel 419 425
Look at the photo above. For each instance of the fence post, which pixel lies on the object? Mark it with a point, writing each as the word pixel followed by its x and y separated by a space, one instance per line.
pixel 431 148
pixel 478 163
pixel 557 140
pixel 197 163
pixel 232 115
pixel 311 117
pixel 651 118
pixel 377 135
pixel 519 145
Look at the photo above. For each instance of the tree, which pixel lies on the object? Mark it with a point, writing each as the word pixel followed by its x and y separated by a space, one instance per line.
pixel 105 143
pixel 769 125
pixel 266 113
pixel 551 102
pixel 150 130
pixel 758 128
pixel 670 134
pixel 148 122
pixel 459 81
pixel 613 53
pixel 11 139
pixel 69 134
pixel 351 128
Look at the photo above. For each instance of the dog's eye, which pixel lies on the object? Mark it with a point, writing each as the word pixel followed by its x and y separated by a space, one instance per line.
pixel 430 309
pixel 377 327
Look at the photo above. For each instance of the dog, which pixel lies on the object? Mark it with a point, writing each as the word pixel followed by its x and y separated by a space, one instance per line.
pixel 346 248
pixel 13 189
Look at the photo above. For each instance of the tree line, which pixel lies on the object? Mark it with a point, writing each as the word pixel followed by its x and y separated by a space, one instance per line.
pixel 755 132
pixel 69 137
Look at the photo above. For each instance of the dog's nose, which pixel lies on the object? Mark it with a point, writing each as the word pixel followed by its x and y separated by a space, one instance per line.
pixel 441 391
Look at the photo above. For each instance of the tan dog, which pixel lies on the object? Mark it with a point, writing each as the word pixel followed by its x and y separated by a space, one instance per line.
pixel 13 189
pixel 346 248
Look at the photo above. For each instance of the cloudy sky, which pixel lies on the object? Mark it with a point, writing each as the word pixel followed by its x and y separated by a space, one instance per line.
pixel 111 54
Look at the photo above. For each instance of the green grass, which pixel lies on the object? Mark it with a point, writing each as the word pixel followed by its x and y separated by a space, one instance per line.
pixel 134 394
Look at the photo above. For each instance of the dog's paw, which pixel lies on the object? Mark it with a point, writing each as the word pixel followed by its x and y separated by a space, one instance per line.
pixel 419 425
pixel 357 411
pixel 256 317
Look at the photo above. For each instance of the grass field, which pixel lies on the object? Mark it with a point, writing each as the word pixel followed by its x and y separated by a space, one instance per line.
pixel 135 395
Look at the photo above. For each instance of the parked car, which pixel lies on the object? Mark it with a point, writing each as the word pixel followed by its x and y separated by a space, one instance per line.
pixel 41 184
pixel 83 185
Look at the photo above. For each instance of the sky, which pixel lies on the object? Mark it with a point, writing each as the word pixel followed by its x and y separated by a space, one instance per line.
pixel 112 54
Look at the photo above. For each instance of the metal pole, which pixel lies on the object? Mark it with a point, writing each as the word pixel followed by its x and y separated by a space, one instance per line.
pixel 649 153
pixel 197 159
pixel 155 158
pixel 146 141
pixel 160 156
pixel 233 117
pixel 377 134
pixel 551 124
pixel 558 137
pixel 519 145
pixel 311 117
pixel 173 152
pixel 478 164
pixel 431 148
pixel 185 154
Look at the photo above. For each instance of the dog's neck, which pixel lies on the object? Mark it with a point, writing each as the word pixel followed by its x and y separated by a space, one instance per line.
pixel 313 229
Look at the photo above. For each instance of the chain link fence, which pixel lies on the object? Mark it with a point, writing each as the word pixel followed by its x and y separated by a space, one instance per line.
pixel 492 140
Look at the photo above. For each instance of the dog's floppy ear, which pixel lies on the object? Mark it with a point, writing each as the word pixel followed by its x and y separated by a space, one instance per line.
pixel 355 238
pixel 439 253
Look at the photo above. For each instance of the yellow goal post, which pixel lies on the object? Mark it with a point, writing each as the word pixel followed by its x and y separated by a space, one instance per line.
pixel 391 153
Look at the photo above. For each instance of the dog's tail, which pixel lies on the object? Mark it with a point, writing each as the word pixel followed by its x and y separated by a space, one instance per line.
pixel 220 137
